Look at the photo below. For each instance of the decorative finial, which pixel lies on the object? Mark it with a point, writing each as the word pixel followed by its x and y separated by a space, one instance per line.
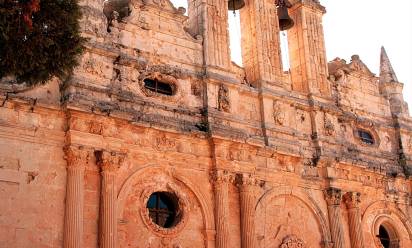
pixel 387 74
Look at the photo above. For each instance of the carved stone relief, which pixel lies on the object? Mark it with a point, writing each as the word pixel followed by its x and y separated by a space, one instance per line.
pixel 328 126
pixel 292 241
pixel 279 116
pixel 93 67
pixel 197 88
pixel 223 98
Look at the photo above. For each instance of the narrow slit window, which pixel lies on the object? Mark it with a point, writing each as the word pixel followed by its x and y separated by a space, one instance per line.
pixel 366 137
pixel 158 86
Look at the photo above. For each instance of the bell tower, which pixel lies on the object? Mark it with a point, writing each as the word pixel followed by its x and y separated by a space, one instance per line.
pixel 209 18
pixel 260 41
pixel 307 52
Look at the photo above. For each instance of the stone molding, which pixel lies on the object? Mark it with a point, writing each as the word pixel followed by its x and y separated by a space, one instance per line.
pixel 333 196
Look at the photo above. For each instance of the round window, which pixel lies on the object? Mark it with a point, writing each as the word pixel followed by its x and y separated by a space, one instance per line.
pixel 163 209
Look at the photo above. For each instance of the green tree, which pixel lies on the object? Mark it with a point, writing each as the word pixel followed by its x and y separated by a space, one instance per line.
pixel 39 39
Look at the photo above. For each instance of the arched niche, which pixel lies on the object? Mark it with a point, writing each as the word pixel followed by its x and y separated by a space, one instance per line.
pixel 284 222
pixel 397 225
pixel 132 197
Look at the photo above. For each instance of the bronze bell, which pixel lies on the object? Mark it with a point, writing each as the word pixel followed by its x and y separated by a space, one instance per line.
pixel 235 4
pixel 285 22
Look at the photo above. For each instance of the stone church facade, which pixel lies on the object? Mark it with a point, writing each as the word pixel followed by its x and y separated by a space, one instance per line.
pixel 159 140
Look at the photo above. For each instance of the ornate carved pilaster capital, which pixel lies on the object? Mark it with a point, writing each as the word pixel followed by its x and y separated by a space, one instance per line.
pixel 109 161
pixel 352 199
pixel 76 156
pixel 222 176
pixel 248 182
pixel 333 196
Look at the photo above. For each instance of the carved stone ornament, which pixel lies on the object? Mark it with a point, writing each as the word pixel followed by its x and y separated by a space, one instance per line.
pixel 333 196
pixel 163 143
pixel 222 176
pixel 352 199
pixel 223 98
pixel 197 88
pixel 328 126
pixel 95 127
pixel 278 114
pixel 292 241
pixel 109 161
pixel 248 181
pixel 76 155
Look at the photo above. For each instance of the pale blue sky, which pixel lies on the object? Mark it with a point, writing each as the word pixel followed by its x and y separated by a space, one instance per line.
pixel 360 27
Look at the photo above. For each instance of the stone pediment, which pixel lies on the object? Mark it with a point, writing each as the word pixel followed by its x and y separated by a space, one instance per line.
pixel 166 5
pixel 338 68
pixel 357 65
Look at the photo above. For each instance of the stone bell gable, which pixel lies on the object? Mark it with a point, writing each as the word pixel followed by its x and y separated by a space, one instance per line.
pixel 159 140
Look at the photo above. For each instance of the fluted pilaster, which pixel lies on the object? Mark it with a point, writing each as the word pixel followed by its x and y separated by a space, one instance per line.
pixel 249 189
pixel 77 158
pixel 333 197
pixel 109 163
pixel 352 200
pixel 221 180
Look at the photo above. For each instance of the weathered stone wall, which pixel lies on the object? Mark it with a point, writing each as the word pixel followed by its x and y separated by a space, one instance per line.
pixel 255 160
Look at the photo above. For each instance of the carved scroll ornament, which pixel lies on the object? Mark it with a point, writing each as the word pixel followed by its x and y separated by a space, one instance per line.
pixel 292 241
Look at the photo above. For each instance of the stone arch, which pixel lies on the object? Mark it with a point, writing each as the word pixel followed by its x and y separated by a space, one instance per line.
pixel 205 209
pixel 304 198
pixel 397 224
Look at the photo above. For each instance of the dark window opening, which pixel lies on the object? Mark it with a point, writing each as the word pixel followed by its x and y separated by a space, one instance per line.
pixel 158 87
pixel 366 137
pixel 384 237
pixel 163 208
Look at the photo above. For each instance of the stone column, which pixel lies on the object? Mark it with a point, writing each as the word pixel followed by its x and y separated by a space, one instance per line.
pixel 249 189
pixel 333 198
pixel 77 157
pixel 352 200
pixel 109 163
pixel 221 185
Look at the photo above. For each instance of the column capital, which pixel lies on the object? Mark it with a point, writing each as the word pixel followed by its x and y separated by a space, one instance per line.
pixel 222 176
pixel 109 161
pixel 245 180
pixel 352 199
pixel 333 196
pixel 76 156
